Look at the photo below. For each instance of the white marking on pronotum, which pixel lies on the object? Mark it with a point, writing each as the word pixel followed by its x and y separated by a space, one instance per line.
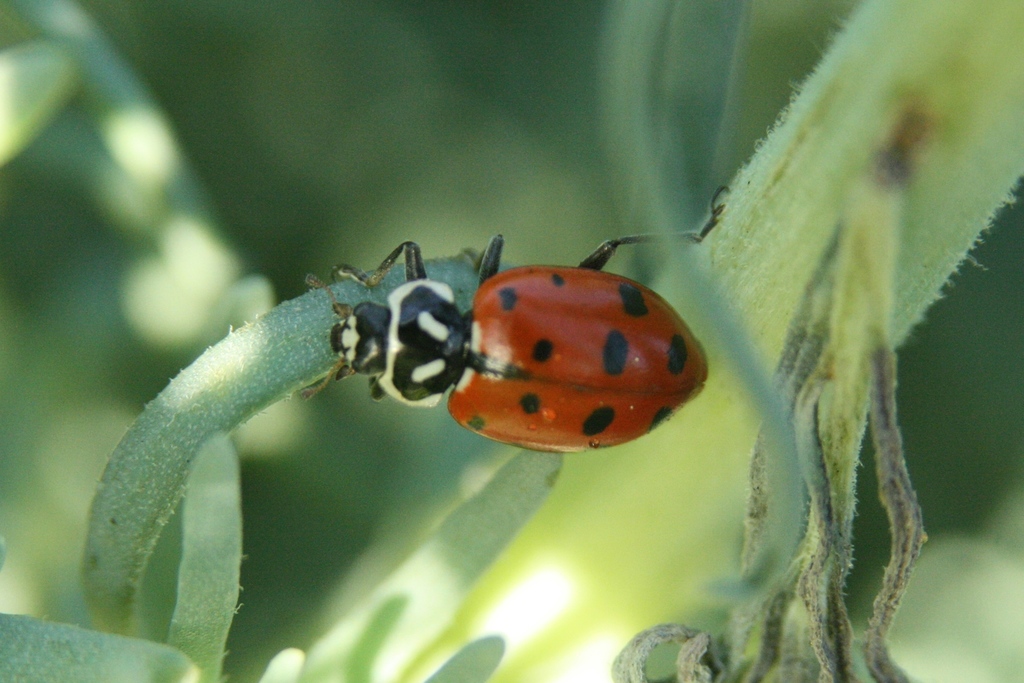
pixel 474 347
pixel 349 338
pixel 421 373
pixel 474 337
pixel 395 299
pixel 467 377
pixel 431 326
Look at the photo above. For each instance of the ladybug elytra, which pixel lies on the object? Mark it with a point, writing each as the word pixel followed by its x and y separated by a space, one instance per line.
pixel 548 358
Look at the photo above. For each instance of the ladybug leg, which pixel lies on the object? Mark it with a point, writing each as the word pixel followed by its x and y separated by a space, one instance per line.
pixel 717 207
pixel 341 370
pixel 414 269
pixel 376 392
pixel 606 250
pixel 491 258
pixel 601 255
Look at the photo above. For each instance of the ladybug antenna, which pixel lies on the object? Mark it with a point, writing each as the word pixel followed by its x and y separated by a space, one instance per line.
pixel 341 369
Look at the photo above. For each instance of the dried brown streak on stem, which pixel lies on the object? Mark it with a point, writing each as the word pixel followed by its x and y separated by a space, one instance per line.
pixel 895 164
pixel 820 585
pixel 805 343
pixel 900 503
pixel 809 331
pixel 809 584
pixel 771 636
pixel 797 663
pixel 840 631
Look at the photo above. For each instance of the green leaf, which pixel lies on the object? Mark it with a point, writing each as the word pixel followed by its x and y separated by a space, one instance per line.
pixel 36 80
pixel 359 667
pixel 256 365
pixel 210 558
pixel 677 59
pixel 961 65
pixel 954 69
pixel 285 667
pixel 36 651
pixel 472 664
pixel 642 80
pixel 417 602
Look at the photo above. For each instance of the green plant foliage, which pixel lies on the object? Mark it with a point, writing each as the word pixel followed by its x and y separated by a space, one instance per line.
pixel 332 131
pixel 44 652
pixel 631 664
pixel 285 667
pixel 35 81
pixel 211 554
pixel 252 368
pixel 125 111
pixel 474 663
pixel 877 131
pixel 379 637
pixel 643 88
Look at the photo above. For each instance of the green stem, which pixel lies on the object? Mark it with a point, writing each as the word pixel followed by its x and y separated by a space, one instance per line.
pixel 254 366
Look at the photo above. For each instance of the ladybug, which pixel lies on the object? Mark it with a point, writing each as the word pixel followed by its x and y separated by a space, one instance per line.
pixel 549 358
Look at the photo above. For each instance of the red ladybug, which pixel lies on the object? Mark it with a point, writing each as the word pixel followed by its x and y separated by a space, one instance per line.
pixel 549 358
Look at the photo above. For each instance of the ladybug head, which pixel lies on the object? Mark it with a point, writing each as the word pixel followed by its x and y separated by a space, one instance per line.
pixel 414 348
pixel 361 336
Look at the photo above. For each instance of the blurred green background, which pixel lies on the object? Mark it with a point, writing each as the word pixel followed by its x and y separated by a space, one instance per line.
pixel 329 131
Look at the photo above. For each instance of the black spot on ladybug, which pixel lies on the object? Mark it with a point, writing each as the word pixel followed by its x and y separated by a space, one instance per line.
pixel 616 348
pixel 476 423
pixel 598 420
pixel 676 354
pixel 660 416
pixel 508 298
pixel 542 350
pixel 632 300
pixel 557 279
pixel 530 403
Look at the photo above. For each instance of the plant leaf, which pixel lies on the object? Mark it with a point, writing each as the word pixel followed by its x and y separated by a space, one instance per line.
pixel 639 82
pixel 33 651
pixel 36 80
pixel 285 667
pixel 430 586
pixel 251 368
pixel 472 664
pixel 677 58
pixel 210 557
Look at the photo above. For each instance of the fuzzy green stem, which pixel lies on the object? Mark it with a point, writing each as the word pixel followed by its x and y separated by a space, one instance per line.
pixel 251 368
